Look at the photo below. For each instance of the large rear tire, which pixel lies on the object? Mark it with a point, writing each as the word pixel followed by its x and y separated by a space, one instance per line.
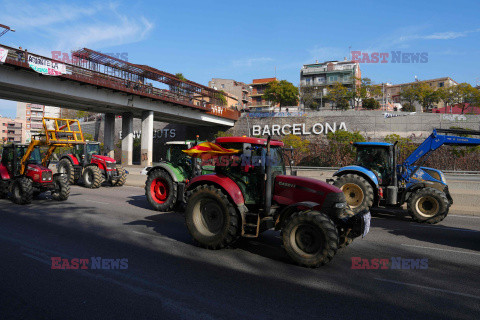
pixel 211 218
pixel 92 177
pixel 428 205
pixel 22 191
pixel 123 177
pixel 358 192
pixel 310 238
pixel 161 190
pixel 65 166
pixel 62 188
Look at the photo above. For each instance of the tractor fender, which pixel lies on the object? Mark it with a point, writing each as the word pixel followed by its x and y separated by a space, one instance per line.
pixel 164 166
pixel 286 212
pixel 72 159
pixel 4 172
pixel 361 171
pixel 223 182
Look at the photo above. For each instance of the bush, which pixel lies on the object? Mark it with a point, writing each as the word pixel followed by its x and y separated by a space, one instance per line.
pixel 407 107
pixel 370 104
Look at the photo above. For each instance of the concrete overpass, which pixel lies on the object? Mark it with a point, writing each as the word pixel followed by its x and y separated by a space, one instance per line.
pixel 83 87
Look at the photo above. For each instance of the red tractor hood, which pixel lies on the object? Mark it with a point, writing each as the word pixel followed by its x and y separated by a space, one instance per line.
pixel 103 158
pixel 293 189
pixel 36 167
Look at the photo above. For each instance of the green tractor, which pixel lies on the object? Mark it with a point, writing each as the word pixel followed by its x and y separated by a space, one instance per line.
pixel 166 180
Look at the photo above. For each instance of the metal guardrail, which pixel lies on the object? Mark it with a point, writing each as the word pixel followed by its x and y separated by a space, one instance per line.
pixel 306 168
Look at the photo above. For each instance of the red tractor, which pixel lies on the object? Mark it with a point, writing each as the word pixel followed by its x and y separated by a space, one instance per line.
pixel 249 193
pixel 24 171
pixel 86 162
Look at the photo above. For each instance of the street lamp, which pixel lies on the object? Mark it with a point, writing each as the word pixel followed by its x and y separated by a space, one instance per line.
pixel 6 29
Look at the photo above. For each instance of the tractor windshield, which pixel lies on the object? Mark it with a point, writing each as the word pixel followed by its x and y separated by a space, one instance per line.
pixel 175 154
pixel 92 149
pixel 35 156
pixel 377 159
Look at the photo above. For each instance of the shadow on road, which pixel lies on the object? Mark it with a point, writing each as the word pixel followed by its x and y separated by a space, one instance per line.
pixel 139 202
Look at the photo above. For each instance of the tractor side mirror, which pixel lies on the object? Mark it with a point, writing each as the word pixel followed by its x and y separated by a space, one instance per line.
pixel 247 150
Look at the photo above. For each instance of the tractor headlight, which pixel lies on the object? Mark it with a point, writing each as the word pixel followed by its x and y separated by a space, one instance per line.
pixel 340 205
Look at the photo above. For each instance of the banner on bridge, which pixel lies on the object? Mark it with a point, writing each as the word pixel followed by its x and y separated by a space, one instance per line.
pixel 3 54
pixel 46 66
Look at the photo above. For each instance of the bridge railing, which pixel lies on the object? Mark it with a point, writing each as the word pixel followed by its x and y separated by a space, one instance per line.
pixel 20 58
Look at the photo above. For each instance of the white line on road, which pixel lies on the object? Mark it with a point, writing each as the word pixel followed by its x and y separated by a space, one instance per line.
pixel 97 202
pixel 440 249
pixel 430 288
pixel 463 216
pixel 445 228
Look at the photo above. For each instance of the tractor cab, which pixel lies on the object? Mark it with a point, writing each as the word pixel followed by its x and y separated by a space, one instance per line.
pixel 12 155
pixel 378 157
pixel 84 152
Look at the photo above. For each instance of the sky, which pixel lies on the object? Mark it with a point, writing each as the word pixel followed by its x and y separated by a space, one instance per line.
pixel 244 40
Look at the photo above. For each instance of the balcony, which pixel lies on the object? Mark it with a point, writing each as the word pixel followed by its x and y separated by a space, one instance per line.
pixel 319 70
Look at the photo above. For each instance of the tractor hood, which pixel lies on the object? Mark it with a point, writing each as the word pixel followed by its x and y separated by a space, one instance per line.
pixel 103 158
pixel 293 189
pixel 37 168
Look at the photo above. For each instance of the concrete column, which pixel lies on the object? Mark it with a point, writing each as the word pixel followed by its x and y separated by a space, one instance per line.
pixel 109 134
pixel 127 139
pixel 147 138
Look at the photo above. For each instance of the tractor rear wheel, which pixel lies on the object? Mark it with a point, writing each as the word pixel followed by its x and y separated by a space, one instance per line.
pixel 62 188
pixel 310 238
pixel 92 177
pixel 428 205
pixel 358 192
pixel 161 190
pixel 65 166
pixel 22 190
pixel 123 177
pixel 211 218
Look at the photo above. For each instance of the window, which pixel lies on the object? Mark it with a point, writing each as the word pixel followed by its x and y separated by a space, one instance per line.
pixel 332 78
pixel 440 84
pixel 223 86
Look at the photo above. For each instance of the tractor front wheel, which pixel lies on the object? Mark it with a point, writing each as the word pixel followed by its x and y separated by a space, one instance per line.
pixel 62 188
pixel 211 218
pixel 428 205
pixel 65 166
pixel 92 177
pixel 310 238
pixel 161 190
pixel 123 177
pixel 22 190
pixel 358 192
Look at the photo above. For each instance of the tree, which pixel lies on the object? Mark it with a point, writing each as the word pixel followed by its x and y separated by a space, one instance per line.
pixel 447 95
pixel 370 104
pixel 426 96
pixel 338 94
pixel 281 92
pixel 366 89
pixel 180 76
pixel 308 96
pixel 407 107
pixel 409 94
pixel 464 94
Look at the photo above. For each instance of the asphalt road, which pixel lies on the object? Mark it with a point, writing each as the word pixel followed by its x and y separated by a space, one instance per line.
pixel 169 278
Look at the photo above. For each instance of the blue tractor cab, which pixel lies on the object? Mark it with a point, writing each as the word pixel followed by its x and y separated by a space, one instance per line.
pixel 376 178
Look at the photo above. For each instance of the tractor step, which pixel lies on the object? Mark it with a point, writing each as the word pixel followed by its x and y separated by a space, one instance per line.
pixel 251 225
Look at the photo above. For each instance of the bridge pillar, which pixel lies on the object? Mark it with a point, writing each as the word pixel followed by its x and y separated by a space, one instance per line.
pixel 147 138
pixel 127 139
pixel 109 134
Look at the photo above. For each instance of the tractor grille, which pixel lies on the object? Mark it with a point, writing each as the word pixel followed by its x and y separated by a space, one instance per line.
pixel 46 176
pixel 111 165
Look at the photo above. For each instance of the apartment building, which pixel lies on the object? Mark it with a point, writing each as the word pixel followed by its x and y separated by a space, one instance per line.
pixel 13 130
pixel 316 78
pixel 33 115
pixel 236 88
pixel 391 93
pixel 259 103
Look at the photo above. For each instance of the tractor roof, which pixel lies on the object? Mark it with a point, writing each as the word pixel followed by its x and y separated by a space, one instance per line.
pixel 251 140
pixel 373 144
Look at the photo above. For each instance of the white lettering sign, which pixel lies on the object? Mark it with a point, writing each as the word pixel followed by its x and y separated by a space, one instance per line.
pixel 454 117
pixel 157 134
pixel 3 54
pixel 297 129
pixel 45 66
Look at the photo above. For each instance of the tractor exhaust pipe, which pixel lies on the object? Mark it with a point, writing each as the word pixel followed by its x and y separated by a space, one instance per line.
pixel 268 182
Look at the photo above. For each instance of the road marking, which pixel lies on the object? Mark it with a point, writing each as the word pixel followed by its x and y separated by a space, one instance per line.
pixel 446 228
pixel 429 288
pixel 97 202
pixel 457 251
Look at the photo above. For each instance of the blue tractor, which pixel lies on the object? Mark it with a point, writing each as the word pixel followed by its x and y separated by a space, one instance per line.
pixel 378 180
